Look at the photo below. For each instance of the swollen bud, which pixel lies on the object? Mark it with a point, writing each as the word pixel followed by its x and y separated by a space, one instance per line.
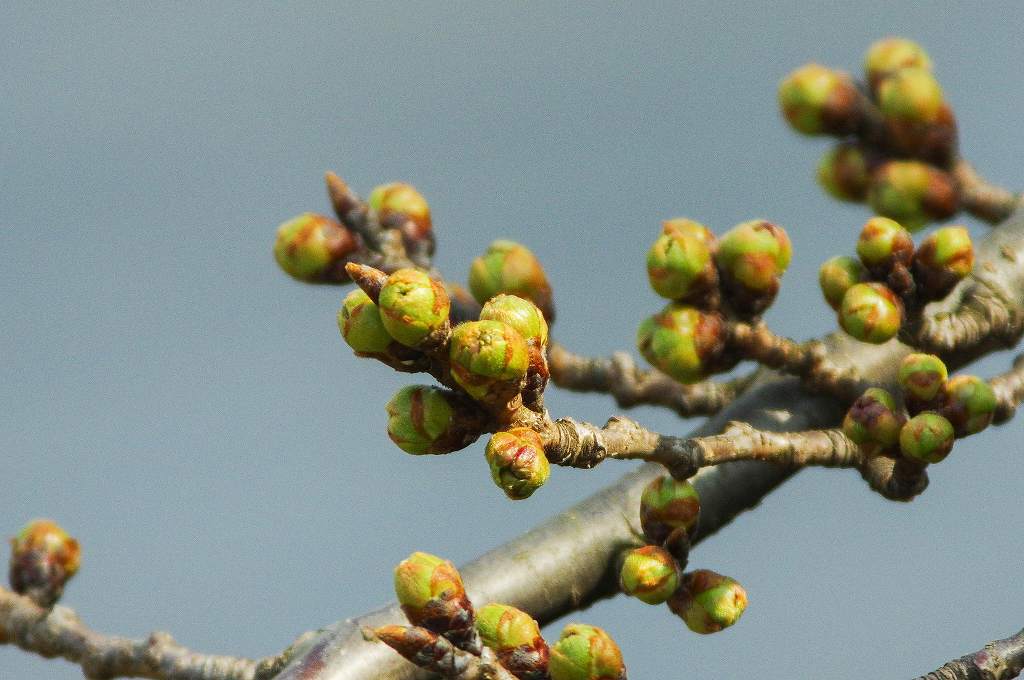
pixel 519 313
pixel 844 172
pixel 515 639
pixel 414 307
pixel 683 341
pixel 517 461
pixel 667 505
pixel 508 267
pixel 489 360
pixel 870 312
pixel 432 595
pixel 708 602
pixel 927 437
pixel 969 404
pixel 424 419
pixel 943 259
pixel 922 377
pixel 836 276
pixel 892 54
pixel 361 326
pixel 649 574
pixel 816 100
pixel 913 193
pixel 751 258
pixel 399 198
pixel 679 264
pixel 883 245
pixel 910 95
pixel 873 421
pixel 313 248
pixel 586 653
pixel 43 558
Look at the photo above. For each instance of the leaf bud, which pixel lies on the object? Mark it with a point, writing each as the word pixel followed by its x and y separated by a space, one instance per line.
pixel 836 276
pixel 517 461
pixel 516 640
pixel 649 574
pixel 586 653
pixel 870 312
pixel 508 267
pixel 883 245
pixel 913 193
pixel 519 313
pixel 679 264
pixel 892 54
pixel 424 419
pixel 816 100
pixel 43 558
pixel 432 595
pixel 969 404
pixel 751 257
pixel 668 504
pixel 414 307
pixel 911 95
pixel 873 421
pixel 361 326
pixel 489 360
pixel 313 248
pixel 922 377
pixel 683 341
pixel 945 257
pixel 844 172
pixel 708 602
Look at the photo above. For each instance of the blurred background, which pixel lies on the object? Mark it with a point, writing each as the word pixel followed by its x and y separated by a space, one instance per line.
pixel 192 416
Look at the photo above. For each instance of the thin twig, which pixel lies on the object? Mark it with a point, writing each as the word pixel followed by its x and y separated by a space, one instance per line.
pixel 980 198
pixel 998 660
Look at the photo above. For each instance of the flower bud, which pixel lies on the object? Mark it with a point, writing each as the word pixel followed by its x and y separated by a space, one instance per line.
pixel 913 193
pixel 489 360
pixel 844 173
pixel 892 54
pixel 519 313
pixel 969 404
pixel 43 558
pixel 910 94
pixel 313 248
pixel 679 264
pixel 361 326
pixel 668 504
pixel 883 245
pixel 424 419
pixel 508 267
pixel 870 312
pixel 922 377
pixel 945 257
pixel 682 341
pixel 413 307
pixel 432 595
pixel 586 653
pixel 933 142
pixel 751 258
pixel 873 421
pixel 817 100
pixel 399 198
pixel 708 602
pixel 515 639
pixel 837 275
pixel 517 461
pixel 649 574
pixel 927 437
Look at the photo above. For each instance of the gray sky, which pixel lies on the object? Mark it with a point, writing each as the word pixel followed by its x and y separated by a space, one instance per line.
pixel 192 416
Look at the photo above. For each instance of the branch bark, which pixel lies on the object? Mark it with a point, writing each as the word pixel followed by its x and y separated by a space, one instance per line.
pixel 999 660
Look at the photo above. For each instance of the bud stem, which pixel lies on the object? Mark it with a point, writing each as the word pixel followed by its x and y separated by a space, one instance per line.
pixel 985 201
pixel 434 653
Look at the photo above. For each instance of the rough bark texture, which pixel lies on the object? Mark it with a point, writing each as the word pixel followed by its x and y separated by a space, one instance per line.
pixel 999 660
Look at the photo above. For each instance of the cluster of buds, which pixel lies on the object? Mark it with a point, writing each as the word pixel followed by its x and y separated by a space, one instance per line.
pixel 448 634
pixel 707 602
pixel 893 279
pixel 43 558
pixel 898 134
pixel 708 281
pixel 936 411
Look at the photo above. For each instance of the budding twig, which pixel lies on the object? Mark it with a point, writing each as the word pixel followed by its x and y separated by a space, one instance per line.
pixel 1009 390
pixel 434 653
pixel 999 660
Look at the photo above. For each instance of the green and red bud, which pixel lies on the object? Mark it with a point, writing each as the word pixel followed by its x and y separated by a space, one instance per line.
pixel 893 54
pixel 361 325
pixel 922 377
pixel 667 505
pixel 424 419
pixel 679 264
pixel 489 360
pixel 519 313
pixel 969 404
pixel 751 258
pixel 944 258
pixel 816 100
pixel 884 245
pixel 517 461
pixel 836 276
pixel 910 95
pixel 586 653
pixel 708 602
pixel 683 342
pixel 871 312
pixel 432 595
pixel 913 193
pixel 43 558
pixel 314 248
pixel 873 421
pixel 927 437
pixel 508 267
pixel 649 574
pixel 398 198
pixel 516 640
pixel 414 308
pixel 844 172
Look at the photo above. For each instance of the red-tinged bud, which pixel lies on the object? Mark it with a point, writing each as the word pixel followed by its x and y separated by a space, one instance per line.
pixel 432 595
pixel 399 205
pixel 873 421
pixel 43 558
pixel 708 602
pixel 922 377
pixel 683 342
pixel 969 404
pixel 515 639
pixel 943 259
pixel 422 647
pixel 650 574
pixel 751 258
pixel 586 653
pixel 314 249
pixel 913 193
pixel 517 461
pixel 666 505
pixel 508 267
pixel 837 275
pixel 927 437
pixel 429 420
pixel 414 308
pixel 871 313
pixel 816 100
pixel 679 264
pixel 911 95
pixel 884 245
pixel 489 360
pixel 892 54
pixel 844 172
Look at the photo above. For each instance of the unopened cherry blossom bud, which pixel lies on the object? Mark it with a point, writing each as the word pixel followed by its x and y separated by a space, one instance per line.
pixel 873 421
pixel 432 595
pixel 414 307
pixel 516 640
pixel 361 326
pixel 666 505
pixel 968 403
pixel 708 602
pixel 313 248
pixel 927 437
pixel 751 258
pixel 913 193
pixel 944 258
pixel 911 95
pixel 679 264
pixel 892 54
pixel 922 377
pixel 508 267
pixel 836 276
pixel 399 198
pixel 816 100
pixel 683 342
pixel 489 360
pixel 844 172
pixel 519 313
pixel 586 653
pixel 870 312
pixel 43 558
pixel 883 245
pixel 649 574
pixel 429 420
pixel 517 461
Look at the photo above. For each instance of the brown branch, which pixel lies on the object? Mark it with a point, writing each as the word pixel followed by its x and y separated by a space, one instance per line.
pixel 980 198
pixel 433 652
pixel 1009 389
pixel 999 660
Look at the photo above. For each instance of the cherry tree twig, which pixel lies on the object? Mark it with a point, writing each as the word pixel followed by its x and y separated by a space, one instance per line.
pixel 999 660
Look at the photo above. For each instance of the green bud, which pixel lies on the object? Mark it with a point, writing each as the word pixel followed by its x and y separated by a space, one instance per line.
pixel 432 595
pixel 515 639
pixel 668 504
pixel 413 307
pixel 922 377
pixel 312 248
pixel 927 437
pixel 844 173
pixel 816 100
pixel 751 258
pixel 586 653
pixel 360 324
pixel 884 244
pixel 708 602
pixel 679 264
pixel 649 574
pixel 489 360
pixel 892 54
pixel 424 419
pixel 913 193
pixel 945 257
pixel 837 275
pixel 969 404
pixel 520 314
pixel 870 312
pixel 399 198
pixel 910 94
pixel 873 421
pixel 517 461
pixel 508 267
pixel 43 559
pixel 682 341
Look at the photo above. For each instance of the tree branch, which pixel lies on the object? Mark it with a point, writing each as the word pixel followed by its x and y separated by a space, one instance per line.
pixel 1009 390
pixel 999 660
